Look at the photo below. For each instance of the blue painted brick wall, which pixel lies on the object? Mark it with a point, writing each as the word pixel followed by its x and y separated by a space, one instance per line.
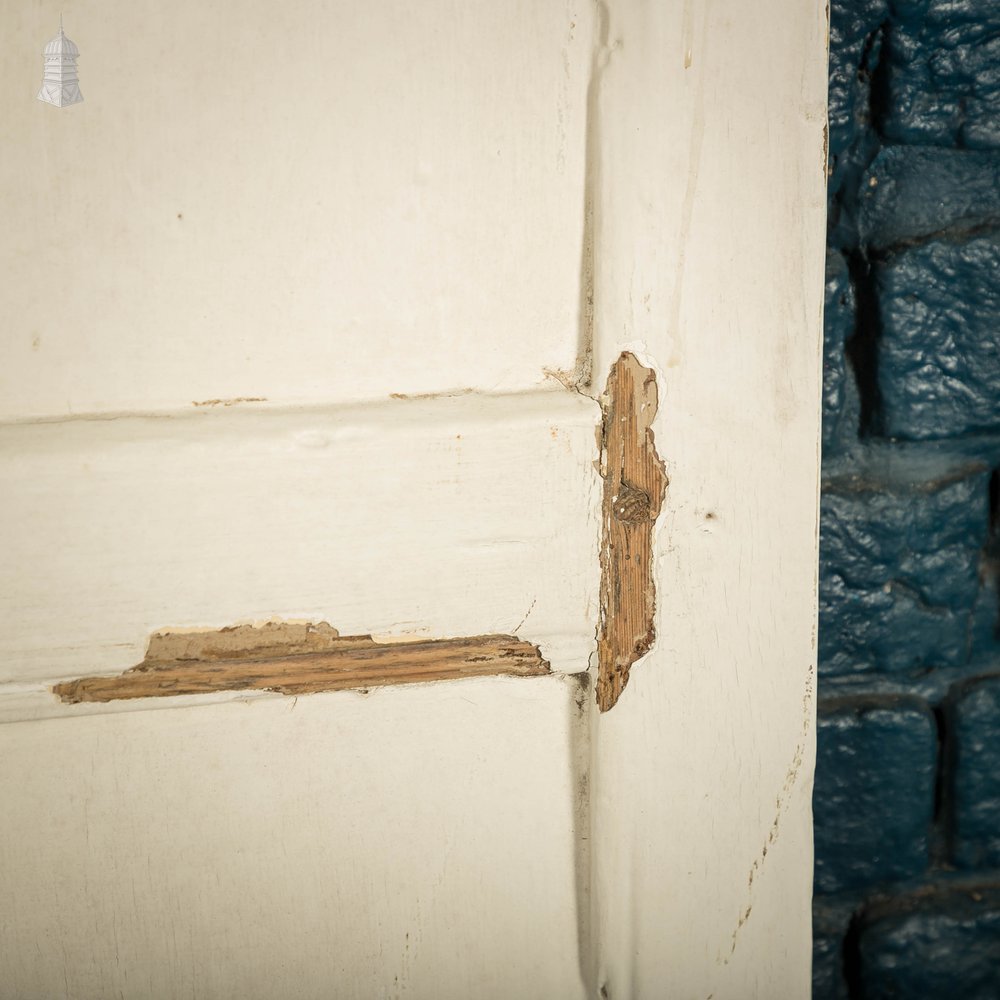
pixel 943 73
pixel 874 798
pixel 912 194
pixel 907 794
pixel 939 350
pixel 841 405
pixel 854 52
pixel 901 538
pixel 939 942
pixel 831 916
pixel 855 45
pixel 973 718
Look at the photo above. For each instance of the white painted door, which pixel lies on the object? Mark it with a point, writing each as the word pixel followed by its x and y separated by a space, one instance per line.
pixel 308 313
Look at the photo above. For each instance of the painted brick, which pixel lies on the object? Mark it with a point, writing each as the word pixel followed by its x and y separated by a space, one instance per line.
pixel 932 686
pixel 831 919
pixel 828 981
pixel 973 717
pixel 938 943
pixel 939 352
pixel 909 603
pixel 874 794
pixel 900 547
pixel 943 73
pixel 912 193
pixel 841 408
pixel 855 44
pixel 984 631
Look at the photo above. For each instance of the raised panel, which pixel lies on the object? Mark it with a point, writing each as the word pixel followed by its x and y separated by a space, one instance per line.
pixel 415 842
pixel 305 202
pixel 426 519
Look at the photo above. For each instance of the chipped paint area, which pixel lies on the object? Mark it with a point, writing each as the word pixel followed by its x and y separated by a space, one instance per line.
pixel 296 659
pixel 635 484
pixel 230 402
pixel 235 642
pixel 783 798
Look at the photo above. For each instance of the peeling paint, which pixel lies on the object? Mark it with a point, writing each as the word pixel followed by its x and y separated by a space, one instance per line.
pixel 237 642
pixel 298 659
pixel 634 487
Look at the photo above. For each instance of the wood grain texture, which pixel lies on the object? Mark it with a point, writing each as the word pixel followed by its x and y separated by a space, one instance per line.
pixel 301 659
pixel 634 487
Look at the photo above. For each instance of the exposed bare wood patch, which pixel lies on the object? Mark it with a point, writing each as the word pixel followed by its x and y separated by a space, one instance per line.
pixel 634 486
pixel 238 642
pixel 301 659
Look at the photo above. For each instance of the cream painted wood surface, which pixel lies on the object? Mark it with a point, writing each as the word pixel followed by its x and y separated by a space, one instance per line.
pixel 296 202
pixel 710 223
pixel 374 200
pixel 423 518
pixel 339 845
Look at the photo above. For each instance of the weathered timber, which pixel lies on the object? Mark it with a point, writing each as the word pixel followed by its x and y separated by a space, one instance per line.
pixel 248 659
pixel 634 487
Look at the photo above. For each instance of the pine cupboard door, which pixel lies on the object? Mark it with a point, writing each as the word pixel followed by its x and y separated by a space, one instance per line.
pixel 409 458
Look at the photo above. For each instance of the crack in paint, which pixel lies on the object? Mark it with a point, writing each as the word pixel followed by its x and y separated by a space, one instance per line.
pixel 230 402
pixel 780 803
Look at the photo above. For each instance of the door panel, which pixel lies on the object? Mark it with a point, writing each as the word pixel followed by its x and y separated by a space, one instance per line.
pixel 425 519
pixel 408 842
pixel 294 202
pixel 231 275
pixel 300 308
